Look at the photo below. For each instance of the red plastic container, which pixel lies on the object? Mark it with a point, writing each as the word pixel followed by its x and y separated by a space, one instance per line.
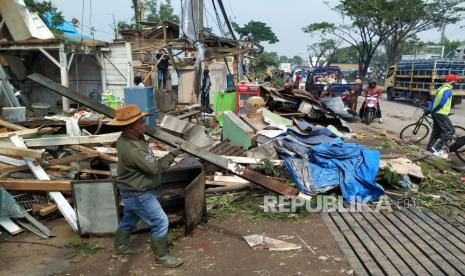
pixel 244 91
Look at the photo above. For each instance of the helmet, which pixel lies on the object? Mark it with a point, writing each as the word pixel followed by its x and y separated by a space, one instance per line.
pixel 452 77
pixel 373 81
pixel 358 81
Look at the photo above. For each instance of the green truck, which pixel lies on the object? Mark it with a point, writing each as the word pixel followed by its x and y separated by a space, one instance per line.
pixel 419 80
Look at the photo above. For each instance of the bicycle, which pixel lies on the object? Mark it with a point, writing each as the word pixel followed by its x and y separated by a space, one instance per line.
pixel 418 131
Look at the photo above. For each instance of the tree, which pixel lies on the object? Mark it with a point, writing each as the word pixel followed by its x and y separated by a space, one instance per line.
pixel 297 60
pixel 406 18
pixel 366 31
pixel 48 13
pixel 283 59
pixel 264 60
pixel 345 55
pixel 164 12
pixel 257 31
pixel 324 49
pixel 74 22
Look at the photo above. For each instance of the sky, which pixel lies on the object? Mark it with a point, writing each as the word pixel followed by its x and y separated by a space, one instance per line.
pixel 286 20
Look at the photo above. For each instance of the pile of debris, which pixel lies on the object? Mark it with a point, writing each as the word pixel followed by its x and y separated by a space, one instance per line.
pixel 303 151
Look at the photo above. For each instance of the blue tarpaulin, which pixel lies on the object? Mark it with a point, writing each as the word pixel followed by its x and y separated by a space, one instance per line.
pixel 350 166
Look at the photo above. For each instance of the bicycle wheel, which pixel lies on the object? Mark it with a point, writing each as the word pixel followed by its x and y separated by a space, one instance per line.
pixel 414 133
pixel 459 132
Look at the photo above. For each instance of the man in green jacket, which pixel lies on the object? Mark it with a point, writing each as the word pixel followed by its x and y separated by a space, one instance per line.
pixel 139 173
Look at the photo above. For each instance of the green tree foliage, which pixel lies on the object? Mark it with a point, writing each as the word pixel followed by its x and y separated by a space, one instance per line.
pixel 406 18
pixel 297 60
pixel 264 60
pixel 322 50
pixel 160 13
pixel 45 9
pixel 416 46
pixel 346 55
pixel 283 59
pixel 257 31
pixel 388 22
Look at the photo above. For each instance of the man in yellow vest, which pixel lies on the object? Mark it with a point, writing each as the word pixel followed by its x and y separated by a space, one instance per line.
pixel 443 130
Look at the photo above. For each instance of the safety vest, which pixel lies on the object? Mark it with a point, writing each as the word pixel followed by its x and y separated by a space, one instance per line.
pixel 445 110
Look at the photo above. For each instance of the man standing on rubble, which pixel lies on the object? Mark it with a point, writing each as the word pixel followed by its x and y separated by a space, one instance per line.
pixel 139 173
pixel 439 107
pixel 162 68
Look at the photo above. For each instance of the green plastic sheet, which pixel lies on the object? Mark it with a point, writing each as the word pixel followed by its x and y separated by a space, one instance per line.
pixel 223 101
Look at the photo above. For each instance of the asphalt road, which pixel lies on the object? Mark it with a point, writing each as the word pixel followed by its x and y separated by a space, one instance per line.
pixel 397 114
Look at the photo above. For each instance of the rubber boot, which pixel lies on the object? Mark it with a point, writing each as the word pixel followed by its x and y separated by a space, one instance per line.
pixel 121 244
pixel 160 250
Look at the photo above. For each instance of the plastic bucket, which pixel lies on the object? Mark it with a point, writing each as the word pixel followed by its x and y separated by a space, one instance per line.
pixel 41 109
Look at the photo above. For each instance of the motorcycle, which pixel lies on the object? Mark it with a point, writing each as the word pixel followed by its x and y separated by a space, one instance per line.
pixel 370 109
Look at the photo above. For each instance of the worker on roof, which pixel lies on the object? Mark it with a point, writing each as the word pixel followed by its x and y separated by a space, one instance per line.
pixel 139 173
pixel 163 61
pixel 439 107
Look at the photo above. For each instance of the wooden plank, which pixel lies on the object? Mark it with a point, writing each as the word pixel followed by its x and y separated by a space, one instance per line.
pixel 408 245
pixel 446 228
pixel 65 208
pixel 11 125
pixel 24 223
pixel 251 161
pixel 22 133
pixel 10 226
pixel 14 151
pixel 35 185
pixel 39 225
pixel 12 161
pixel 350 255
pixel 91 151
pixel 397 246
pixel 100 172
pixel 188 114
pixel 449 220
pixel 422 245
pixel 79 140
pixel 357 245
pixel 370 244
pixel 451 251
pixel 398 263
pixel 264 181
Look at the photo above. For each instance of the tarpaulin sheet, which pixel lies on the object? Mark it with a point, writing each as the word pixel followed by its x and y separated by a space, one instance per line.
pixel 8 206
pixel 352 167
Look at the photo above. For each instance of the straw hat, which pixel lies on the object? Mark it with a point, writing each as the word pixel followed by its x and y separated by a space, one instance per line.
pixel 126 115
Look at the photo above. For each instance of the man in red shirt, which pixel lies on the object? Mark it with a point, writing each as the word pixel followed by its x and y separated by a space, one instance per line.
pixel 298 78
pixel 372 90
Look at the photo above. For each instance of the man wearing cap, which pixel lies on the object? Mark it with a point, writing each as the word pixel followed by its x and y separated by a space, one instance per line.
pixel 439 107
pixel 139 173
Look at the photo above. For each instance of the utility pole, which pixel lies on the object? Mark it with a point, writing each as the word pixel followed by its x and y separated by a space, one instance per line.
pixel 198 10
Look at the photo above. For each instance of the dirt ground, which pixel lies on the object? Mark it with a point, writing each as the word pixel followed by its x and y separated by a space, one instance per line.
pixel 213 249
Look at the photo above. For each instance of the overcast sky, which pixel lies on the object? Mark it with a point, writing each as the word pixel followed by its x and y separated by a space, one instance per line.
pixel 285 17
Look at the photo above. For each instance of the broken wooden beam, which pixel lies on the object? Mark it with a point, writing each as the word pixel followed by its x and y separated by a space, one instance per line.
pixel 27 132
pixel 11 125
pixel 14 151
pixel 91 151
pixel 35 185
pixel 239 170
pixel 70 140
pixel 65 208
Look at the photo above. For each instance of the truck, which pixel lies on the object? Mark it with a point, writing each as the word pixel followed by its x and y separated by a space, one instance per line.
pixel 419 80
